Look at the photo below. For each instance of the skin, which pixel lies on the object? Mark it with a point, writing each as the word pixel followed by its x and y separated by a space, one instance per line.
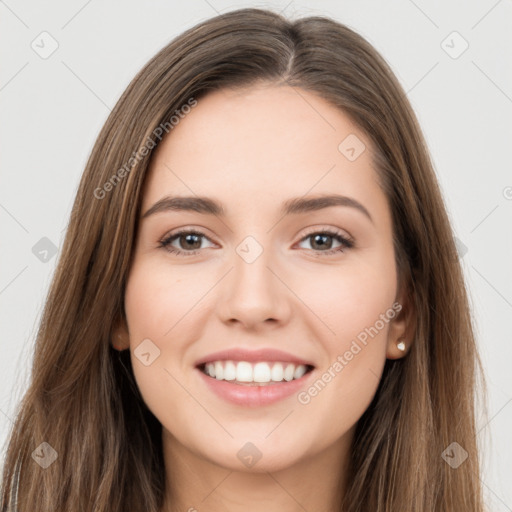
pixel 252 149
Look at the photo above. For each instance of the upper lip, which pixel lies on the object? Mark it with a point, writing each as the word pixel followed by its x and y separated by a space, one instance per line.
pixel 263 354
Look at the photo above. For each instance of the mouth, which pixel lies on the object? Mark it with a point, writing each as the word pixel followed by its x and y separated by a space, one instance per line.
pixel 256 373
pixel 253 378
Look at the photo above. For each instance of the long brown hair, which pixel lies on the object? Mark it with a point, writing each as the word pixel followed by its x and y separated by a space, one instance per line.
pixel 83 400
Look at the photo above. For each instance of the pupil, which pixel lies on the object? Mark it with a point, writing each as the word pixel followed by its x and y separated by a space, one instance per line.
pixel 191 236
pixel 321 237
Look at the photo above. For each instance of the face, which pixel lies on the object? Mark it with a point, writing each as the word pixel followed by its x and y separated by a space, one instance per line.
pixel 275 290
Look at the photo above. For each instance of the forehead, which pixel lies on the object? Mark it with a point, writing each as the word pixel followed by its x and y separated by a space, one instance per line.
pixel 261 143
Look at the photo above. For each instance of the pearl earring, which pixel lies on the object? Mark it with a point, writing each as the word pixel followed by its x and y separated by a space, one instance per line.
pixel 400 346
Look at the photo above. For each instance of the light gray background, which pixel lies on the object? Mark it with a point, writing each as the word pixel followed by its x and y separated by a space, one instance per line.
pixel 52 110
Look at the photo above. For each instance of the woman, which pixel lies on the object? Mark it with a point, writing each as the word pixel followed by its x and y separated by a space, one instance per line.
pixel 254 372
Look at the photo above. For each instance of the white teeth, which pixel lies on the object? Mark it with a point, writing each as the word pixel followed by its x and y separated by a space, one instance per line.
pixel 219 370
pixel 261 372
pixel 277 372
pixel 299 371
pixel 243 372
pixel 229 371
pixel 289 371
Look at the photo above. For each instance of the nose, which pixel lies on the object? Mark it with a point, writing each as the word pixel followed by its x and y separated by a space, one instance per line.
pixel 255 294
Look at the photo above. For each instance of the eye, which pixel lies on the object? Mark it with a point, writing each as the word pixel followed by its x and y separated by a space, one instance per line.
pixel 323 239
pixel 188 239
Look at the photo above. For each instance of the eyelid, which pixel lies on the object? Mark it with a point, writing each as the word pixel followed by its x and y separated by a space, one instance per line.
pixel 328 229
pixel 184 231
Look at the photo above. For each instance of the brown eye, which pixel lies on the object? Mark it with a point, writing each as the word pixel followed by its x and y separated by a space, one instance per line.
pixel 189 242
pixel 321 242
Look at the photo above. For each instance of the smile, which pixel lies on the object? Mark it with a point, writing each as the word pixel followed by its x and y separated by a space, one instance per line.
pixel 255 373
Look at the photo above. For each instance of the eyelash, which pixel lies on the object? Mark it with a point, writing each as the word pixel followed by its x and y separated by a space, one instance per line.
pixel 346 243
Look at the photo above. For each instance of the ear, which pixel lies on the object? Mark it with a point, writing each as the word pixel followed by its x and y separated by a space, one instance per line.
pixel 402 327
pixel 120 336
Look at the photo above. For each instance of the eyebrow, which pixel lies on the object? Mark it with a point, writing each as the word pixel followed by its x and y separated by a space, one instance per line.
pixel 294 206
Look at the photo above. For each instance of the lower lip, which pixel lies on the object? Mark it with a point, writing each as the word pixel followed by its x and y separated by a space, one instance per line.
pixel 254 396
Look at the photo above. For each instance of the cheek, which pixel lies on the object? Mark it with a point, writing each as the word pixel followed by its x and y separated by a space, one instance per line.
pixel 153 305
pixel 157 300
pixel 357 310
pixel 351 298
